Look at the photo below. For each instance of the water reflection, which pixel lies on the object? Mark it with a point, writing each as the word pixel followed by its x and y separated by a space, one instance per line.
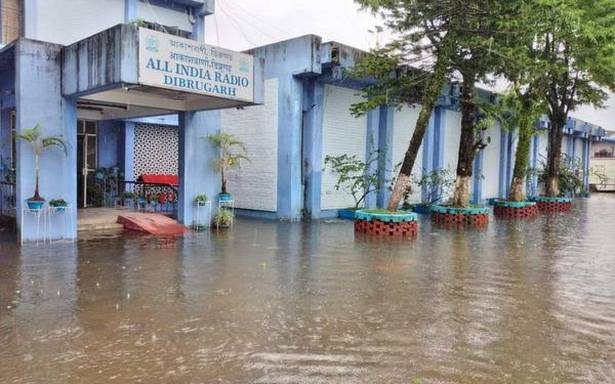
pixel 268 302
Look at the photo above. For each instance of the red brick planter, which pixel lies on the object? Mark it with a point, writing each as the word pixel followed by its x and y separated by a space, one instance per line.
pixel 554 204
pixel 447 216
pixel 515 210
pixel 379 228
pixel 386 225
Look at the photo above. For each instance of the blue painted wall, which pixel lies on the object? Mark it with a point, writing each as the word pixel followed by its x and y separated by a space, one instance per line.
pixel 39 101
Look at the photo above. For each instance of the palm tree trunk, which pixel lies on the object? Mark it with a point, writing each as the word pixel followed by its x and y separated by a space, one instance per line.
pixel 223 181
pixel 467 149
pixel 432 92
pixel 37 171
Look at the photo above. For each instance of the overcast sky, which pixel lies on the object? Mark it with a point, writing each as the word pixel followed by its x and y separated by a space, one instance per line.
pixel 243 24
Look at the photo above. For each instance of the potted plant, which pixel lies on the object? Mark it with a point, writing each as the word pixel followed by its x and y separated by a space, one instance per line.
pixel 59 204
pixel 201 199
pixel 434 185
pixel 232 151
pixel 223 218
pixel 128 199
pixel 39 144
pixel 357 177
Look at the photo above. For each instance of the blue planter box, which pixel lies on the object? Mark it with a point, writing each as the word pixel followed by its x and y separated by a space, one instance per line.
pixel 346 214
pixel 35 205
pixel 225 197
pixel 423 209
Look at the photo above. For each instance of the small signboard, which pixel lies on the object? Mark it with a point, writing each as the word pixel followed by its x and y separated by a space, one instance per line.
pixel 167 61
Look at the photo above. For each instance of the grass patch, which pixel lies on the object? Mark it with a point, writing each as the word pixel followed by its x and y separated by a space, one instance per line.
pixel 384 212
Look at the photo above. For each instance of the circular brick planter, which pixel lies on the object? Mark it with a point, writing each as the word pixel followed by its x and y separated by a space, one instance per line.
pixel 450 216
pixel 386 225
pixel 515 209
pixel 554 204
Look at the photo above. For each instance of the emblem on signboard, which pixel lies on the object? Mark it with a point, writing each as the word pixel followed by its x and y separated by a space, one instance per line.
pixel 244 65
pixel 152 43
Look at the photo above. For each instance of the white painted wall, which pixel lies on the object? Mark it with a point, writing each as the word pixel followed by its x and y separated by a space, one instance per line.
pixel 341 133
pixel 452 129
pixel 67 21
pixel 579 149
pixel 543 142
pixel 491 163
pixel 404 122
pixel 255 184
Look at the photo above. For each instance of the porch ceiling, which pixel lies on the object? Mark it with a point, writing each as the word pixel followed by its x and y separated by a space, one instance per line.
pixel 142 101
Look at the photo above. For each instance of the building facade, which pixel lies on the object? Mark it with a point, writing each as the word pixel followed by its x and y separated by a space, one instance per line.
pixel 77 83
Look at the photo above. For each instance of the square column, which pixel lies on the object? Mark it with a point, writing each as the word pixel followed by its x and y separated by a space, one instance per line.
pixel 196 155
pixel 312 145
pixel 385 143
pixel 39 101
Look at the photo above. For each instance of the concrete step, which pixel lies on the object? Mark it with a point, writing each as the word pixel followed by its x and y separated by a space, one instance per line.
pixel 152 223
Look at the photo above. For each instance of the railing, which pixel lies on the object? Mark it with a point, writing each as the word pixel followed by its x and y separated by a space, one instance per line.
pixel 7 198
pixel 146 197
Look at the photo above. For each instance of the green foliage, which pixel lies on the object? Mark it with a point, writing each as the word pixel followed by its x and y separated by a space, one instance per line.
pixel 357 177
pixel 201 198
pixel 384 212
pixel 138 22
pixel 436 184
pixel 39 144
pixel 571 175
pixel 129 196
pixel 232 151
pixel 58 203
pixel 223 218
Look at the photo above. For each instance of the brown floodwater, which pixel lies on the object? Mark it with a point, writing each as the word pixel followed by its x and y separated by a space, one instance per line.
pixel 268 302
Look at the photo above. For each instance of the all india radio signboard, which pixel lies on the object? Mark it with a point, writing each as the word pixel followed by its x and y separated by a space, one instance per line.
pixel 167 61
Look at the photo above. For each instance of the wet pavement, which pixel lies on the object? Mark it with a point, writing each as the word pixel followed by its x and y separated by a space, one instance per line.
pixel 518 302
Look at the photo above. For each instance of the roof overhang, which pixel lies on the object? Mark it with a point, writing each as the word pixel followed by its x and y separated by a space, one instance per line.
pixel 126 72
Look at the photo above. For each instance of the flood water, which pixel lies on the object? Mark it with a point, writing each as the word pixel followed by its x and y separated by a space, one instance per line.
pixel 518 302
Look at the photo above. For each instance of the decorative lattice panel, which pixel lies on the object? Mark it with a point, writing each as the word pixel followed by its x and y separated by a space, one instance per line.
pixel 156 150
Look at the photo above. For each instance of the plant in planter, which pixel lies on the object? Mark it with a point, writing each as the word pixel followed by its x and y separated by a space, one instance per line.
pixel 201 199
pixel 39 144
pixel 570 183
pixel 128 199
pixel 223 218
pixel 382 222
pixel 434 186
pixel 60 204
pixel 356 177
pixel 232 151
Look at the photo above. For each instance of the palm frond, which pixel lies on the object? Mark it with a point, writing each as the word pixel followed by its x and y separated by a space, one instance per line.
pixel 57 141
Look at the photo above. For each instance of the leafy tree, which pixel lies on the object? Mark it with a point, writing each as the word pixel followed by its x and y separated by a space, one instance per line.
pixel 574 41
pixel 460 38
pixel 520 110
pixel 232 151
pixel 40 144
pixel 425 34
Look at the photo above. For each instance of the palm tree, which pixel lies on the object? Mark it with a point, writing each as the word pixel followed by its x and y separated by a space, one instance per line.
pixel 40 144
pixel 232 150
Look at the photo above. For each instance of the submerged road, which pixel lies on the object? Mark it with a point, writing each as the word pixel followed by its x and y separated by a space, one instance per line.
pixel 267 302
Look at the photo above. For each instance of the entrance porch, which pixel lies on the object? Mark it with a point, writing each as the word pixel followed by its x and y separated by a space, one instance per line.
pixel 89 95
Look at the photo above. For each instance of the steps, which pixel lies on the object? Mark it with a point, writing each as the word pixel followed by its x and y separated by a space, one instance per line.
pixel 151 223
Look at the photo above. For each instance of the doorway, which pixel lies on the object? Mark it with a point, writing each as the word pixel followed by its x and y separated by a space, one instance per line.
pixel 87 162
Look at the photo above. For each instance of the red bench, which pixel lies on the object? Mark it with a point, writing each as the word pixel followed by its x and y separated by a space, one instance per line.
pixel 172 180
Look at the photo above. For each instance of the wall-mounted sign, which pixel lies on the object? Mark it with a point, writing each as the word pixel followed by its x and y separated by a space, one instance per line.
pixel 167 61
